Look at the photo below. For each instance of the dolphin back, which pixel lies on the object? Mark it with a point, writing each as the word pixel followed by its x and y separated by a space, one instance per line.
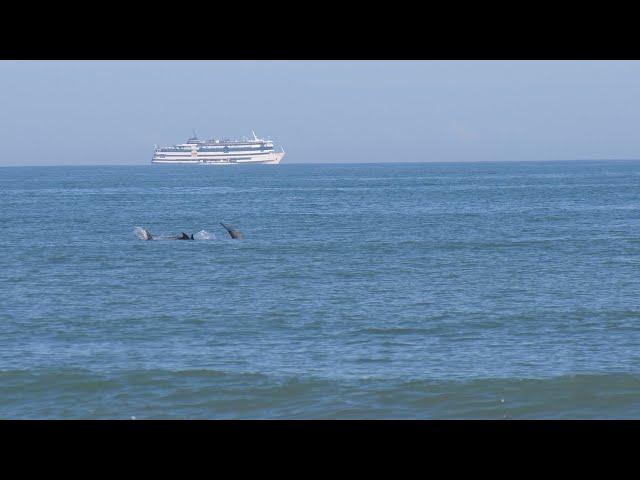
pixel 143 233
pixel 232 231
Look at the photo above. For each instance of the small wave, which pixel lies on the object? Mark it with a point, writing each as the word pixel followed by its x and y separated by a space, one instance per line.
pixel 394 331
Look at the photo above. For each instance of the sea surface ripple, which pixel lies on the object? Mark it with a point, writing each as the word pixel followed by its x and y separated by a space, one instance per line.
pixel 469 290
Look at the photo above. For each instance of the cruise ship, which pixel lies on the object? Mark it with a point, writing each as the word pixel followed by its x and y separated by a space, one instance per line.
pixel 219 152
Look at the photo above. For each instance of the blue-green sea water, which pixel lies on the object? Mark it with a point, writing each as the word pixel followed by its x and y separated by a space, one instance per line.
pixel 469 290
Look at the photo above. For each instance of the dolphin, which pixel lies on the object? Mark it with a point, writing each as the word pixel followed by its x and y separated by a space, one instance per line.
pixel 182 236
pixel 235 234
pixel 146 234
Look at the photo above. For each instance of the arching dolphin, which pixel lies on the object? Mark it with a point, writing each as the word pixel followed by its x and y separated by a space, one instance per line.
pixel 145 234
pixel 235 234
pixel 182 236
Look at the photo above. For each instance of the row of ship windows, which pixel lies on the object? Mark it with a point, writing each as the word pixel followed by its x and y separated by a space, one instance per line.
pixel 214 149
pixel 227 149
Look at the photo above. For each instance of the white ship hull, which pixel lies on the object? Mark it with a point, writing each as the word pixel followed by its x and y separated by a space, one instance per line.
pixel 229 159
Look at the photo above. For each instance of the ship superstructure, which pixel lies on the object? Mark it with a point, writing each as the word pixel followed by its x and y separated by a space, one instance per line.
pixel 219 152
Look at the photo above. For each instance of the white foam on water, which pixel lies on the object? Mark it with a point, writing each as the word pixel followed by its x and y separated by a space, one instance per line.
pixel 204 235
pixel 142 234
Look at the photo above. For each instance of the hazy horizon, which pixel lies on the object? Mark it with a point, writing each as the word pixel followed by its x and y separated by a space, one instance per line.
pixel 156 165
pixel 113 112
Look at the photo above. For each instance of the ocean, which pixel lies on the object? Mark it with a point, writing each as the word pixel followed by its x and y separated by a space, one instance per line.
pixel 368 291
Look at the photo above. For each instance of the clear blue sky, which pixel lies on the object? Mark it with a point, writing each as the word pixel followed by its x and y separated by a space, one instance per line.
pixel 113 112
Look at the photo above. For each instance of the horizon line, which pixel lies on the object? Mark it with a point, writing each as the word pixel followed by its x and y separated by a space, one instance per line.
pixel 337 163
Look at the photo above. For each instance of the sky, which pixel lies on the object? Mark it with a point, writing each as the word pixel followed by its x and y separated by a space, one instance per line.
pixel 113 112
